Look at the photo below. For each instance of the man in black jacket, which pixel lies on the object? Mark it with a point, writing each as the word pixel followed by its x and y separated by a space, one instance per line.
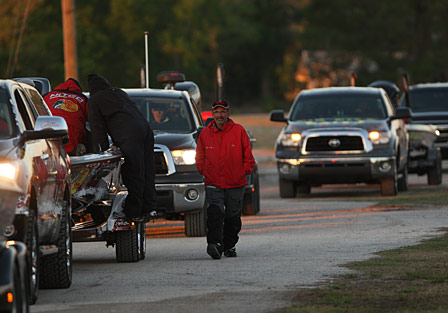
pixel 112 112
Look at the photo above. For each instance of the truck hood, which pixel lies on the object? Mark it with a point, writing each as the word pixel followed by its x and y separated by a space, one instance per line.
pixel 299 127
pixel 430 117
pixel 175 141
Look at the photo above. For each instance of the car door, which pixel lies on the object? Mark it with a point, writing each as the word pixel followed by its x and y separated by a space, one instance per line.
pixel 40 154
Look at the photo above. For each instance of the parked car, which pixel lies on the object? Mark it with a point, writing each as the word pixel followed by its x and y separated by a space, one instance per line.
pixel 342 135
pixel 14 277
pixel 31 146
pixel 429 104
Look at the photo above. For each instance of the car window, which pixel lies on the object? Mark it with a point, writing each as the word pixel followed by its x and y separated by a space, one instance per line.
pixel 163 114
pixel 24 109
pixel 338 107
pixel 37 101
pixel 429 100
pixel 6 120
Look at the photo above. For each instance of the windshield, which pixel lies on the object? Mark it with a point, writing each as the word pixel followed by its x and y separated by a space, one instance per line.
pixel 429 100
pixel 167 115
pixel 6 126
pixel 338 107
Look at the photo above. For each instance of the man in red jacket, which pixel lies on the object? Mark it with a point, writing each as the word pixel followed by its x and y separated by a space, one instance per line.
pixel 224 157
pixel 68 101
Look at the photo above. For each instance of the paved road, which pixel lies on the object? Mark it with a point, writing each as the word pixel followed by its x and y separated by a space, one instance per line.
pixel 291 243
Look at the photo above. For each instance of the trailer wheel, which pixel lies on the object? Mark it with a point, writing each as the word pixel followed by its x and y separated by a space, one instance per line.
pixel 142 241
pixel 32 245
pixel 127 245
pixel 55 270
pixel 435 172
pixel 403 180
pixel 195 223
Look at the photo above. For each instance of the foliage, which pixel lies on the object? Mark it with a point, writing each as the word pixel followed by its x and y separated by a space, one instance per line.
pixel 271 49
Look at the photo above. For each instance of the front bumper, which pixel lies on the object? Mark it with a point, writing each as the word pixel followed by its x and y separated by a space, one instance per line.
pixel 337 170
pixel 178 198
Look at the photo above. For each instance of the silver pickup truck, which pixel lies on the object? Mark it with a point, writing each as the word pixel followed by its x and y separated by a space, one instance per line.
pixel 342 135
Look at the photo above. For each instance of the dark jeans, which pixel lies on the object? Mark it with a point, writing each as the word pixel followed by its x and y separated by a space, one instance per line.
pixel 224 215
pixel 138 174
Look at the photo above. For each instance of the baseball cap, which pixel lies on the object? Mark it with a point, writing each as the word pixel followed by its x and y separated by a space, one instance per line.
pixel 220 103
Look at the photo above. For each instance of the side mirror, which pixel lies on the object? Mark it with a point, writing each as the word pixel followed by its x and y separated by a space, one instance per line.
pixel 402 113
pixel 198 132
pixel 278 116
pixel 46 127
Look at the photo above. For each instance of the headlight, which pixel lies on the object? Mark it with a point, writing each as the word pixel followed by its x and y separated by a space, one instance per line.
pixel 377 137
pixel 8 170
pixel 184 157
pixel 291 139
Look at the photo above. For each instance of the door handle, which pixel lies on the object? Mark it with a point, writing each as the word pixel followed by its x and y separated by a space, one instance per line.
pixel 45 156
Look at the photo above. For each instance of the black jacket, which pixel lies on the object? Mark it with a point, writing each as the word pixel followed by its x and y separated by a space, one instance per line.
pixel 112 112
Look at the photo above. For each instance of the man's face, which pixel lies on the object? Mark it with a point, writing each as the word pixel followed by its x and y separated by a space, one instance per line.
pixel 221 116
pixel 158 114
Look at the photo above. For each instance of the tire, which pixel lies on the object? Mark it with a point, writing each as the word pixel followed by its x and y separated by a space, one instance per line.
pixel 33 257
pixel 251 200
pixel 287 188
pixel 127 245
pixel 402 183
pixel 389 185
pixel 195 224
pixel 20 297
pixel 142 241
pixel 435 172
pixel 303 188
pixel 55 270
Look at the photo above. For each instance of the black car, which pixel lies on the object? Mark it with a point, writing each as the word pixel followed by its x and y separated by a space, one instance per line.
pixel 32 151
pixel 429 104
pixel 342 135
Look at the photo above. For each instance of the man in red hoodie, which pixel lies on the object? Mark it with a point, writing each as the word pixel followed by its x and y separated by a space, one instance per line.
pixel 68 101
pixel 224 157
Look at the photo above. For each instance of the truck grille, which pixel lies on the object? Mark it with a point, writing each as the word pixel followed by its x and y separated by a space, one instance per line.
pixel 160 163
pixel 334 143
pixel 163 161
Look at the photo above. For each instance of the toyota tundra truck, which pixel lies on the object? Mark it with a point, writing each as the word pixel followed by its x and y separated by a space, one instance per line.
pixel 341 135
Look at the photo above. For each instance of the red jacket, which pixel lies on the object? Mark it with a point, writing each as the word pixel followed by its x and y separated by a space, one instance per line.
pixel 224 157
pixel 67 100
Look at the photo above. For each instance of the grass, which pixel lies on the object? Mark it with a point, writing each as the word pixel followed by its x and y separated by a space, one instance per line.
pixel 410 279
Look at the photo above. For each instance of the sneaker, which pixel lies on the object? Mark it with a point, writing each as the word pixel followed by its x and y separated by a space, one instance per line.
pixel 231 253
pixel 118 215
pixel 214 251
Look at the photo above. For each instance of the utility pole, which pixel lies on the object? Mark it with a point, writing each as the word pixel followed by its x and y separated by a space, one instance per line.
pixel 69 35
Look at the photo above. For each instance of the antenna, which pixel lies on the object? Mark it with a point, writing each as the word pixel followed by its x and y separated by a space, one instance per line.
pixel 146 60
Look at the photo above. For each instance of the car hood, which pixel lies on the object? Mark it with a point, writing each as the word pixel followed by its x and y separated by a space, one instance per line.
pixel 299 127
pixel 175 141
pixel 430 117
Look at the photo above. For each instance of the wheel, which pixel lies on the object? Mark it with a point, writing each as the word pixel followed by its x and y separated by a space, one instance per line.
pixel 33 256
pixel 142 241
pixel 195 223
pixel 55 270
pixel 251 200
pixel 389 185
pixel 402 183
pixel 287 188
pixel 435 172
pixel 128 245
pixel 303 188
pixel 20 303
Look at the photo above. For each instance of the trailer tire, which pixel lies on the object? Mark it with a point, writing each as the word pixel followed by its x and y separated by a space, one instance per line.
pixel 435 172
pixel 127 245
pixel 33 256
pixel 142 241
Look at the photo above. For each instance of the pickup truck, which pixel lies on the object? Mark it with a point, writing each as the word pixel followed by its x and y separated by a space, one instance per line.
pixel 33 160
pixel 342 135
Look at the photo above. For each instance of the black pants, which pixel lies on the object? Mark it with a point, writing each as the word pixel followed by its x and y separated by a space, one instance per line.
pixel 138 173
pixel 224 215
